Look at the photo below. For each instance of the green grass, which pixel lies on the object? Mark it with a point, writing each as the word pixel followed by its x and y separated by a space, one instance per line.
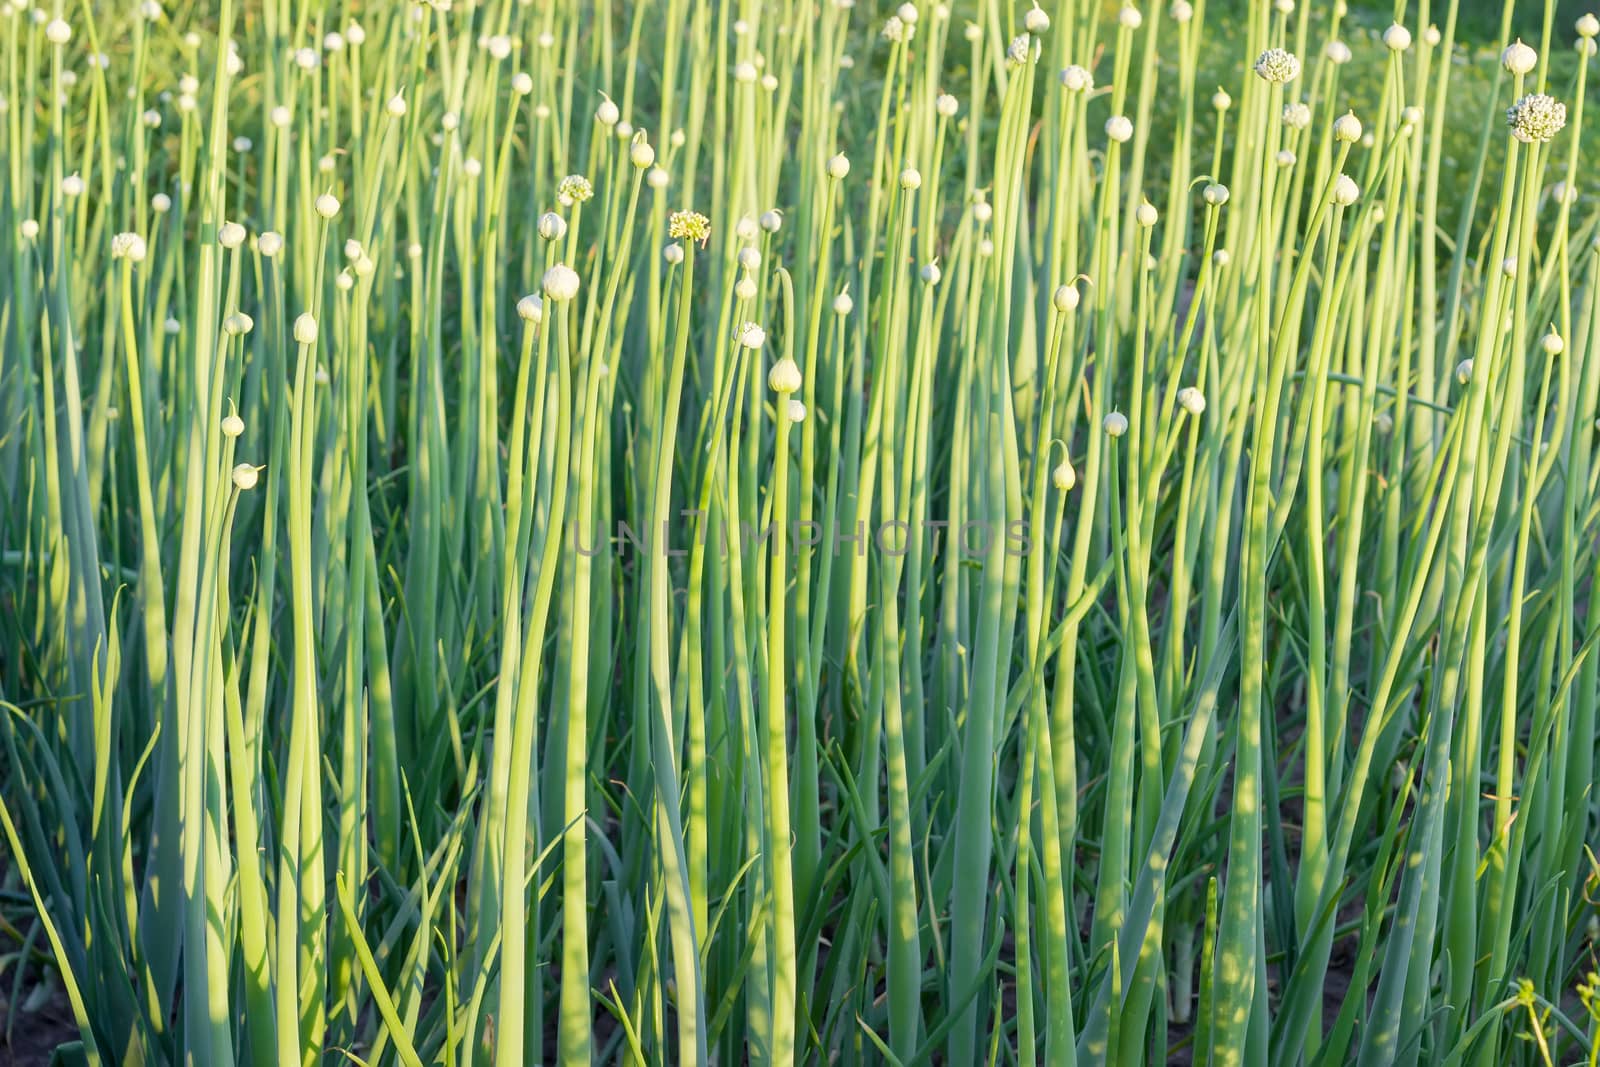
pixel 678 532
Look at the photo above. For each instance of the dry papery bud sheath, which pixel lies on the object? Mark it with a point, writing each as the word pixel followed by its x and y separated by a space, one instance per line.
pixel 560 283
pixel 1064 476
pixel 1518 58
pixel 1215 194
pixel 530 308
pixel 784 377
pixel 552 227
pixel 1345 191
pixel 1347 128
pixel 838 167
pixel 1116 424
pixel 305 329
pixel 1036 20
pixel 1066 298
pixel 245 477
pixel 232 425
pixel 1397 38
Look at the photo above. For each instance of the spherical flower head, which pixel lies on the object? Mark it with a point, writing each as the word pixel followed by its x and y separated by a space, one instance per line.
pixel 1518 58
pixel 1036 20
pixel 843 304
pixel 1277 66
pixel 161 203
pixel 530 308
pixel 1397 38
pixel 607 114
pixel 930 273
pixel 232 425
pixel 1536 118
pixel 1215 194
pixel 1587 26
pixel 640 154
pixel 688 226
pixel 910 178
pixel 1182 11
pixel 894 29
pixel 1116 424
pixel 230 235
pixel 270 243
pixel 1297 116
pixel 784 377
pixel 1347 128
pixel 750 258
pixel 72 185
pixel 982 211
pixel 745 72
pixel 1345 191
pixel 28 228
pixel 771 220
pixel 1064 476
pixel 907 13
pixel 1338 52
pixel 1146 214
pixel 355 34
pixel 128 246
pixel 552 227
pixel 1018 50
pixel 657 178
pixel 57 32
pixel 673 254
pixel 946 105
pixel 1119 128
pixel 305 329
pixel 521 83
pixel 1129 18
pixel 1192 400
pixel 560 283
pixel 1065 298
pixel 838 167
pixel 750 335
pixel 327 205
pixel 1076 79
pixel 1221 258
pixel 245 477
pixel 238 324
pixel 973 33
pixel 574 189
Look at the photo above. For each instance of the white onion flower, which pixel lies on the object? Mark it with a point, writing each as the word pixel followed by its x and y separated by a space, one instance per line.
pixel 560 283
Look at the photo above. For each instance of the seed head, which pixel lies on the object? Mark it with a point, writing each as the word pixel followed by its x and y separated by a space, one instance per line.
pixel 1397 38
pixel 784 377
pixel 245 477
pixel 1347 128
pixel 305 329
pixel 688 226
pixel 1076 79
pixel 560 283
pixel 1518 58
pixel 1116 424
pixel 1192 400
pixel 574 189
pixel 751 336
pixel 1064 476
pixel 530 308
pixel 1536 118
pixel 128 246
pixel 1277 66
